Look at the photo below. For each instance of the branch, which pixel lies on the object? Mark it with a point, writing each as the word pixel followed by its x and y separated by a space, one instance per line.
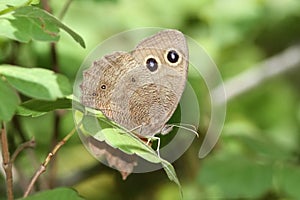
pixel 254 76
pixel 28 144
pixel 7 165
pixel 53 52
pixel 56 69
pixel 31 155
pixel 64 9
pixel 43 166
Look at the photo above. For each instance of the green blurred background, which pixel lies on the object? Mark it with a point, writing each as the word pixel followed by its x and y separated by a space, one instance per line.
pixel 258 153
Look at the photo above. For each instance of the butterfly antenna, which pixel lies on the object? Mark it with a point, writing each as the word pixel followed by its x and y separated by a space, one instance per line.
pixel 189 127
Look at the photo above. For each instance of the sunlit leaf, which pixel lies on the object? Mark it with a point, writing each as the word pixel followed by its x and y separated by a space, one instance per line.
pixel 64 84
pixel 90 124
pixel 34 2
pixel 9 5
pixel 125 141
pixel 130 144
pixel 35 82
pixel 32 23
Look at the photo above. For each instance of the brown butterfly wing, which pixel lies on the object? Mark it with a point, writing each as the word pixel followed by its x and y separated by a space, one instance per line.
pixel 126 91
pixel 158 96
pixel 99 82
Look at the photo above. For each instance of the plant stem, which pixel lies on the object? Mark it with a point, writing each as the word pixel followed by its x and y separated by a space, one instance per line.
pixel 54 58
pixel 31 155
pixel 256 75
pixel 55 67
pixel 7 165
pixel 28 144
pixel 54 141
pixel 43 166
pixel 64 9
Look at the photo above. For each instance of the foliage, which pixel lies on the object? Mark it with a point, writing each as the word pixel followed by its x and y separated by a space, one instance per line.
pixel 257 156
pixel 59 193
pixel 48 89
pixel 123 140
pixel 31 23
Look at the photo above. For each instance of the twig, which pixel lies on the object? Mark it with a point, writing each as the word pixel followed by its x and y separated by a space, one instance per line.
pixel 64 9
pixel 31 156
pixel 43 166
pixel 7 165
pixel 54 58
pixel 54 140
pixel 17 126
pixel 247 80
pixel 28 144
pixel 46 6
pixel 15 48
pixel 55 68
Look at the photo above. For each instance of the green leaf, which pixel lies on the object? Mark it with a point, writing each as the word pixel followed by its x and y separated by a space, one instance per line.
pixel 92 125
pixel 170 171
pixel 130 144
pixel 236 177
pixel 7 30
pixel 7 6
pixel 57 194
pixel 35 108
pixel 64 84
pixel 34 2
pixel 35 82
pixel 287 178
pixel 32 23
pixel 123 140
pixel 263 147
pixel 8 101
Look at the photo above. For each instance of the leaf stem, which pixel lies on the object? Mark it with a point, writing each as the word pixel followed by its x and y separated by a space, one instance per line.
pixel 44 165
pixel 7 165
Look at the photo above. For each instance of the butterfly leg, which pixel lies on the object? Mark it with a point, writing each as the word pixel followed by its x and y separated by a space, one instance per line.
pixel 136 128
pixel 158 143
